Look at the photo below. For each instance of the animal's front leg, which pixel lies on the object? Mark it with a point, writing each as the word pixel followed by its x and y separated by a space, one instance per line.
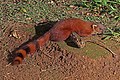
pixel 77 40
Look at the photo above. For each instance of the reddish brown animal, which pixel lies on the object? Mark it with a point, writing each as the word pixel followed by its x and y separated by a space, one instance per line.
pixel 59 32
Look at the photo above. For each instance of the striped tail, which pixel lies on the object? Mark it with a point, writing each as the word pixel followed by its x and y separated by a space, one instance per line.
pixel 30 48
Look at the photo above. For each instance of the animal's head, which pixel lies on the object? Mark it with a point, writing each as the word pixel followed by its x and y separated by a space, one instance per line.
pixel 98 28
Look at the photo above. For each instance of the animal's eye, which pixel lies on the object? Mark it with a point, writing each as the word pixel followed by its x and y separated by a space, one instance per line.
pixel 100 28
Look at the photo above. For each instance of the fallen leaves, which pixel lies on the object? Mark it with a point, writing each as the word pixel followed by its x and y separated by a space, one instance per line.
pixel 15 34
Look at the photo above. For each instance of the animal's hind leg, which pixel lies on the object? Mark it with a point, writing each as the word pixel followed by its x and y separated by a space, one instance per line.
pixel 77 40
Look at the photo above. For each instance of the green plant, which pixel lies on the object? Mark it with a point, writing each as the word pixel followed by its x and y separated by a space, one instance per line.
pixel 101 8
pixel 112 34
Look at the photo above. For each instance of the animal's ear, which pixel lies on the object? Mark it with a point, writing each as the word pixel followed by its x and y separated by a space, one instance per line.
pixel 94 26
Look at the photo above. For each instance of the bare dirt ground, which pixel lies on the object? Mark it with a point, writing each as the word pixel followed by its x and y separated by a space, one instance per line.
pixel 52 62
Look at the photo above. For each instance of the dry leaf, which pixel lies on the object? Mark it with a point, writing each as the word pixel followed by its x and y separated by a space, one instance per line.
pixel 15 34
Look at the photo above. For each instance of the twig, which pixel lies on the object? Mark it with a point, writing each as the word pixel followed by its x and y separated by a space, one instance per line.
pixel 105 47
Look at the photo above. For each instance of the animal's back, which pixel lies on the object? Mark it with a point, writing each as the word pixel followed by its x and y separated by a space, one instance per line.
pixel 62 29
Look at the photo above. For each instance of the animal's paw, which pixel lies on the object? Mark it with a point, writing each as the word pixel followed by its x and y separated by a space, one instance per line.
pixel 78 41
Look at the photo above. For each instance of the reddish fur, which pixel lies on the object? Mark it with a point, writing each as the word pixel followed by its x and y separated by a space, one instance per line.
pixel 32 47
pixel 59 32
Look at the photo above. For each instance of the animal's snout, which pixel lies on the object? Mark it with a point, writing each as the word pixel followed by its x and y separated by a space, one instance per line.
pixel 102 28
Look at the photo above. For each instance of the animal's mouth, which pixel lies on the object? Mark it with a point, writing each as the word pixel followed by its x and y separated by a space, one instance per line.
pixel 98 33
pixel 101 31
